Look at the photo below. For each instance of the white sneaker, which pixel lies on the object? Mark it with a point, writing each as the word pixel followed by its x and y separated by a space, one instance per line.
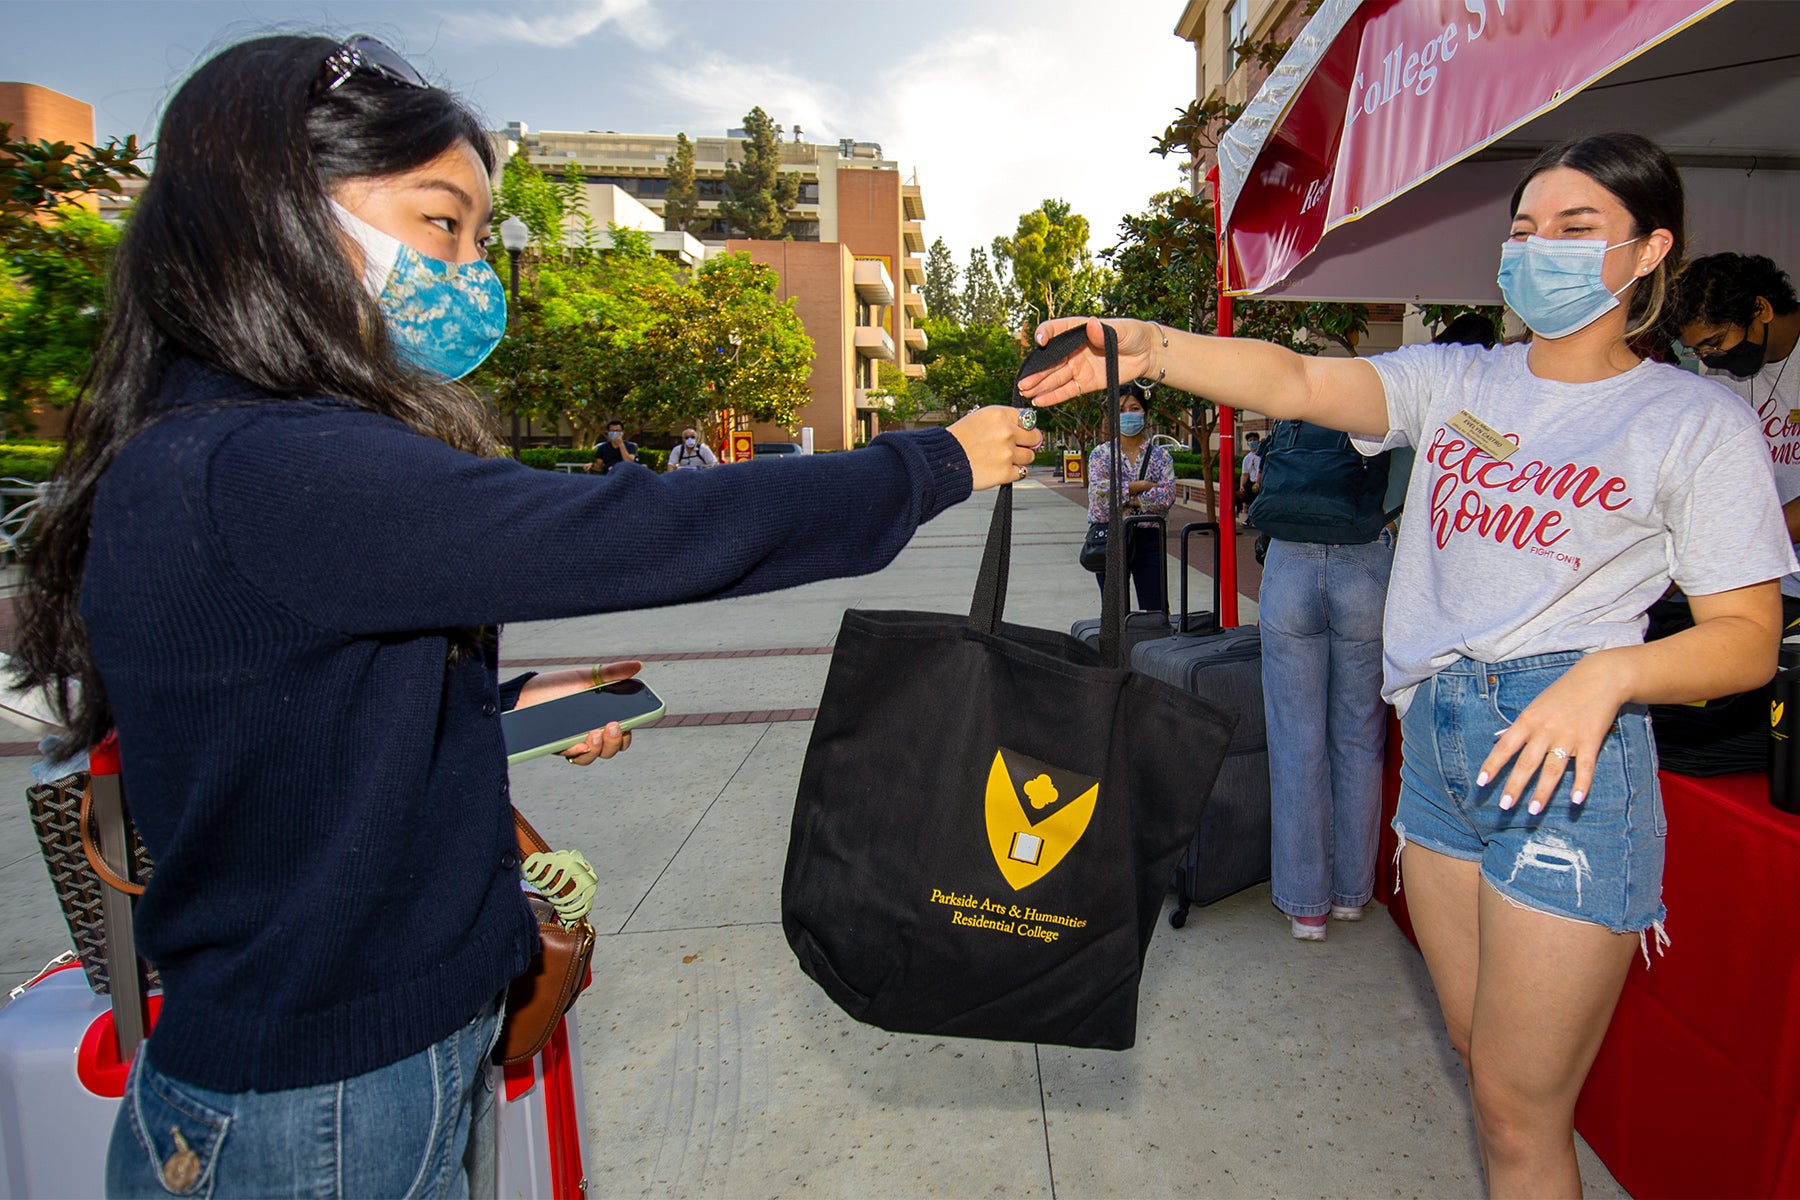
pixel 1307 933
pixel 1346 912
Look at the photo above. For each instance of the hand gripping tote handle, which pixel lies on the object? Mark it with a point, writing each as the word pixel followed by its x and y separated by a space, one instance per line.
pixel 989 814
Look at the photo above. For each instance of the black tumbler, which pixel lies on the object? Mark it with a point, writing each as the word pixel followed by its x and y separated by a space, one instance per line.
pixel 1784 734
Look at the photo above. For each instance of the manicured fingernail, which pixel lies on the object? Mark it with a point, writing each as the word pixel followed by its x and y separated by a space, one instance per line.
pixel 1506 802
pixel 1481 779
pixel 1498 732
pixel 1535 807
pixel 1577 797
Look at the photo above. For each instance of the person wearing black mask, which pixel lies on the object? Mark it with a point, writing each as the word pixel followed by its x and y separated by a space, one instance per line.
pixel 1740 314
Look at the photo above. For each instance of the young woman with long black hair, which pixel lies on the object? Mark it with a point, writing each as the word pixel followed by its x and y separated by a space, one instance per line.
pixel 283 538
pixel 1560 487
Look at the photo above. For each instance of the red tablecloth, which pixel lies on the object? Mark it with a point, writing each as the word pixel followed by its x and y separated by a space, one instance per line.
pixel 1696 1091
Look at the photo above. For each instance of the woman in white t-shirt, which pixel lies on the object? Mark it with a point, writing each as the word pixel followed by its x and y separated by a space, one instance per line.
pixel 1560 486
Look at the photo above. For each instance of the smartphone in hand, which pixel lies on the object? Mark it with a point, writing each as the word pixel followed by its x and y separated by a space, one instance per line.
pixel 556 725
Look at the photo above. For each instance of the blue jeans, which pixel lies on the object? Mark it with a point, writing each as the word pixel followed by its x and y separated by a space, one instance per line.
pixel 1600 861
pixel 420 1127
pixel 1321 642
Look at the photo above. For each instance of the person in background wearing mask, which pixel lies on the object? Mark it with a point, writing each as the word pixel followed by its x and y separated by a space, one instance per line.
pixel 1529 816
pixel 691 454
pixel 1249 478
pixel 613 449
pixel 1149 472
pixel 1739 313
pixel 285 538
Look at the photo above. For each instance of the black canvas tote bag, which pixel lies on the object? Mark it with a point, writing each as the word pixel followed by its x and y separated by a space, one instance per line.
pixel 989 815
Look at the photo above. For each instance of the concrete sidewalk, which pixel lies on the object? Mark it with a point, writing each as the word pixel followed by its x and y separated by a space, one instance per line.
pixel 714 1068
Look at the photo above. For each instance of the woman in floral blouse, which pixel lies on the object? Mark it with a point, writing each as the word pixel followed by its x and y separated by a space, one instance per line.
pixel 1149 488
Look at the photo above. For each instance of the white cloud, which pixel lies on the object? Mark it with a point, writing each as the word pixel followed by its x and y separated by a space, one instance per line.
pixel 998 121
pixel 559 25
pixel 712 92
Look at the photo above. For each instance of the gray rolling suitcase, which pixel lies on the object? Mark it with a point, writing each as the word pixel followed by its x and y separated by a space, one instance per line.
pixel 1139 626
pixel 1231 850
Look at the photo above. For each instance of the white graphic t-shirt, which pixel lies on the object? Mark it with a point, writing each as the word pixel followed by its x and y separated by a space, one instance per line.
pixel 1614 489
pixel 1775 395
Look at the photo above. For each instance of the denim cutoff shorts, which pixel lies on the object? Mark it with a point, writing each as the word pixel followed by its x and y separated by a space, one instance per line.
pixel 1600 861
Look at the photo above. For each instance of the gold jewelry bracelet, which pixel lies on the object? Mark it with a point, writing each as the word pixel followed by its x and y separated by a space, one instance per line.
pixel 1164 334
pixel 599 681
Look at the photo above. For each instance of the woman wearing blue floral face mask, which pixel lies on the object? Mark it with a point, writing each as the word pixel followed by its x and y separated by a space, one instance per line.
pixel 284 540
pixel 1560 487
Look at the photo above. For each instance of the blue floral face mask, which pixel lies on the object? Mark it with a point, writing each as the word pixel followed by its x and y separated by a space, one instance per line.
pixel 443 317
pixel 1554 283
pixel 1131 424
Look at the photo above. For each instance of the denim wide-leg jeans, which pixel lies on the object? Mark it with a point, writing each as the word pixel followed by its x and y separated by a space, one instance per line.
pixel 1321 610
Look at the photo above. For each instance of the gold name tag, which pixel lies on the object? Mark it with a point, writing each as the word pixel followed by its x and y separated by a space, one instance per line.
pixel 1482 434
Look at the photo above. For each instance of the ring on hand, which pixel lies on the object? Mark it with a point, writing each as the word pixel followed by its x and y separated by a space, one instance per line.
pixel 1024 471
pixel 1558 752
pixel 1028 418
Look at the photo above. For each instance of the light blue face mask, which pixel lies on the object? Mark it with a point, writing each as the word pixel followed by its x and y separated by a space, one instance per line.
pixel 1554 283
pixel 1131 424
pixel 443 317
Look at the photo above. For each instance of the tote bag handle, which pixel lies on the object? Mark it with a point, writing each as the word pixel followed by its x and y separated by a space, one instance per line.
pixel 989 604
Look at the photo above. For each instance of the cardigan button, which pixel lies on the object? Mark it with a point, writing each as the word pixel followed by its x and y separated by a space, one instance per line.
pixel 509 860
pixel 488 709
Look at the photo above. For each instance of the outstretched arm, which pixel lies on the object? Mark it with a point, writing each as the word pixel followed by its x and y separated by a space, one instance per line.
pixel 1340 393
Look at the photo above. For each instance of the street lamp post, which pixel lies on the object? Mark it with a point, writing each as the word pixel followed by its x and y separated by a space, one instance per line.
pixel 514 235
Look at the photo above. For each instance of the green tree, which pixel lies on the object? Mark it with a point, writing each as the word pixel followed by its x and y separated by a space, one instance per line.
pixel 941 296
pixel 1436 316
pixel 54 256
pixel 578 222
pixel 1049 261
pixel 968 366
pixel 625 334
pixel 38 180
pixel 907 401
pixel 758 194
pixel 984 300
pixel 51 319
pixel 527 194
pixel 681 203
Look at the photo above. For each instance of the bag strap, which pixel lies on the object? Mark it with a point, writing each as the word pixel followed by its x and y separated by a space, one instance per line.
pixel 530 840
pixel 1116 598
pixel 106 841
pixel 90 846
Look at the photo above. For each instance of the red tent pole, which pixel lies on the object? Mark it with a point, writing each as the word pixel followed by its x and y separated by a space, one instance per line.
pixel 1228 587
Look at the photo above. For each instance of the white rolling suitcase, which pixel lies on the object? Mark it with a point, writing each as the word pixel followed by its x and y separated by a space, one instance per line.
pixel 542 1143
pixel 65 1051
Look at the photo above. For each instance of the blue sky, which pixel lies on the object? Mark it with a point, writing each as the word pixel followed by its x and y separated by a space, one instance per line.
pixel 997 104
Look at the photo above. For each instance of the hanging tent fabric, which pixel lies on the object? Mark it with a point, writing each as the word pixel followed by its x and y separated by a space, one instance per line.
pixel 1376 161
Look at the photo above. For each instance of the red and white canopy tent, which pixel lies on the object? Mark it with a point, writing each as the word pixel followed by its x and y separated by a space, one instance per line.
pixel 1377 160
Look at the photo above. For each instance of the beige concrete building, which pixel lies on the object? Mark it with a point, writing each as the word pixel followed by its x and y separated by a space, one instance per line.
pixel 853 262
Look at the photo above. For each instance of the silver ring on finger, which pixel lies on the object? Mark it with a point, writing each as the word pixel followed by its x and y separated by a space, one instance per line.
pixel 1028 418
pixel 1024 471
pixel 1558 752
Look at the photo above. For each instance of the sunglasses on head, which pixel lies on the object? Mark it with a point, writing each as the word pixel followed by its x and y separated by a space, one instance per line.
pixel 367 56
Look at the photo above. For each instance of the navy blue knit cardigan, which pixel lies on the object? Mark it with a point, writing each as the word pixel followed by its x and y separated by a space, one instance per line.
pixel 271 593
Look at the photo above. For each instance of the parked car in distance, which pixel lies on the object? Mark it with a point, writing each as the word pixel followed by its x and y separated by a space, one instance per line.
pixel 774 449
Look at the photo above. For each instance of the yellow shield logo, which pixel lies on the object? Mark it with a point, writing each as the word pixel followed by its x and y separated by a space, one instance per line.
pixel 1035 815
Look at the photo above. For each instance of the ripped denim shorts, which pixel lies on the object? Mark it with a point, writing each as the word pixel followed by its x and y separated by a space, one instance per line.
pixel 1600 861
